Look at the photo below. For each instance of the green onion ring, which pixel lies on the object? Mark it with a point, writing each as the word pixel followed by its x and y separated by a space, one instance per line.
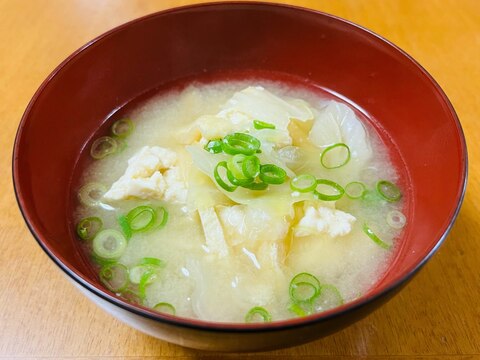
pixel 141 218
pixel 114 276
pixel 299 309
pixel 259 125
pixel 328 197
pixel 165 308
pixel 103 147
pixel 272 174
pixel 87 228
pixel 256 186
pixel 251 166
pixel 132 297
pixel 91 194
pixel 146 279
pixel 334 290
pixel 375 238
pixel 234 165
pixel 302 280
pixel 214 146
pixel 109 244
pixel 258 312
pixel 240 143
pixel 389 191
pixel 325 152
pixel 122 128
pixel 238 182
pixel 355 190
pixel 396 219
pixel 152 261
pixel 220 181
pixel 124 225
pixel 303 183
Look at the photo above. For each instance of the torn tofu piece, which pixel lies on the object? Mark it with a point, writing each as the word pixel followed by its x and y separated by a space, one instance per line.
pixel 324 220
pixel 214 237
pixel 151 174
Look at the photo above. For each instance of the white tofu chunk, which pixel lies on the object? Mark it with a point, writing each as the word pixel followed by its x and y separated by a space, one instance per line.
pixel 214 237
pixel 151 174
pixel 324 220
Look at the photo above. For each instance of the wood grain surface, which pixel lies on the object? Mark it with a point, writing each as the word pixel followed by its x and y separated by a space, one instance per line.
pixel 43 316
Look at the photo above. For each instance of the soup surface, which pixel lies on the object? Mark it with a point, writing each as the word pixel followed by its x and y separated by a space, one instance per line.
pixel 240 201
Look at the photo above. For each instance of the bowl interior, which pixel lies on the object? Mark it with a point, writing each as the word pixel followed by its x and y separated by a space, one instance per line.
pixel 413 114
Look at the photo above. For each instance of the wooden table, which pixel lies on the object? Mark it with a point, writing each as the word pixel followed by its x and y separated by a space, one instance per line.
pixel 43 316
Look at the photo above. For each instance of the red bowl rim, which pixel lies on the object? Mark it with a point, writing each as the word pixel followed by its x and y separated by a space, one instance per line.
pixel 236 327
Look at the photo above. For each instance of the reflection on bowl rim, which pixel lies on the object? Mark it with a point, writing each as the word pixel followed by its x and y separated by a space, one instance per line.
pixel 240 327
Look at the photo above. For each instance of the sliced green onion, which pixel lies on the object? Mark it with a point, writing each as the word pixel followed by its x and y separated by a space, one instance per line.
pixel 91 194
pixel 259 125
pixel 256 186
pixel 132 297
pixel 299 309
pixel 329 298
pixel 141 218
pixel 389 191
pixel 123 222
pixel 374 237
pixel 165 308
pixel 240 143
pixel 102 262
pixel 109 244
pixel 152 261
pixel 121 144
pixel 234 165
pixel 103 146
pixel 214 146
pixel 87 228
pixel 272 174
pixel 122 128
pixel 303 183
pixel 146 279
pixel 355 190
pixel 238 182
pixel 335 156
pixel 162 218
pixel 396 219
pixel 219 180
pixel 147 265
pixel 304 287
pixel 258 314
pixel 335 193
pixel 114 276
pixel 251 166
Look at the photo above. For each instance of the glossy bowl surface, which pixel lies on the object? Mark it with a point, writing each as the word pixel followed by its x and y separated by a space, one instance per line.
pixel 412 114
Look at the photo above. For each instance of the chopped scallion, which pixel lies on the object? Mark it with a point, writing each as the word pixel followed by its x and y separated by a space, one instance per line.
pixel 123 222
pixel 258 314
pixel 214 146
pixel 91 194
pixel 335 156
pixel 272 174
pixel 109 244
pixel 396 219
pixel 103 147
pixel 257 186
pixel 165 308
pixel 87 228
pixel 141 218
pixel 259 125
pixel 240 143
pixel 304 287
pixel 375 238
pixel 218 178
pixel 251 166
pixel 331 190
pixel 388 190
pixel 114 276
pixel 355 190
pixel 234 165
pixel 122 128
pixel 303 183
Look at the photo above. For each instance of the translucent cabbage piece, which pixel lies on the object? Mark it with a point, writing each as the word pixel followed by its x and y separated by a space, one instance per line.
pixel 337 123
